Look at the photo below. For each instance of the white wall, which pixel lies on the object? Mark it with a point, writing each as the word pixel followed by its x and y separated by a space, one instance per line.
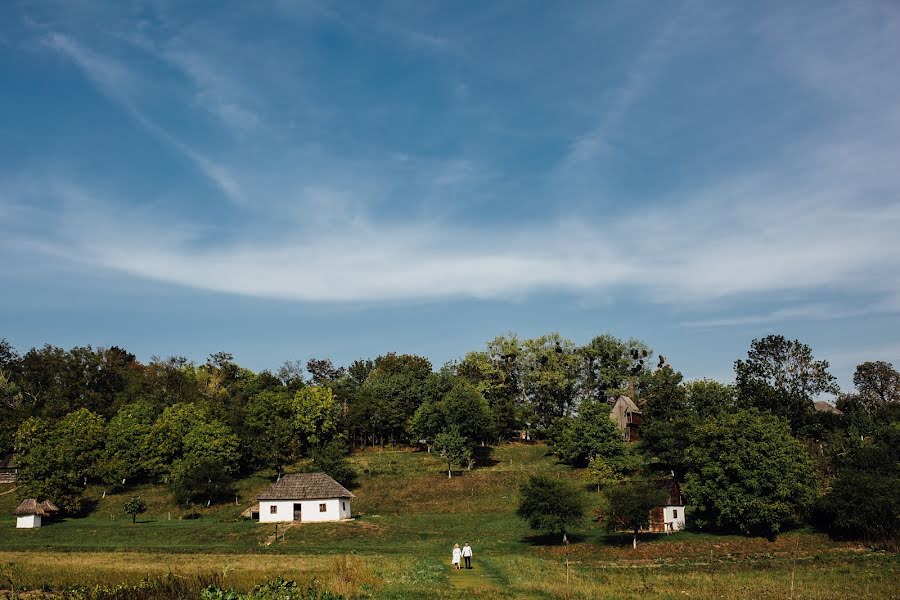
pixel 28 522
pixel 675 516
pixel 334 510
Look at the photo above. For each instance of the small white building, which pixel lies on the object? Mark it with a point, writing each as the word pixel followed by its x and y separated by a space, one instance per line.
pixel 30 513
pixel 670 517
pixel 305 497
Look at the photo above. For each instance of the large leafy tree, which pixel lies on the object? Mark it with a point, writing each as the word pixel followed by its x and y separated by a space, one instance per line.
pixel 316 415
pixel 454 448
pixel 550 505
pixel 610 367
pixel 575 440
pixel 126 439
pixel 630 505
pixel 863 502
pixel 165 441
pixel 57 458
pixel 877 383
pixel 550 378
pixel 782 377
pixel 747 473
pixel 468 411
pixel 269 430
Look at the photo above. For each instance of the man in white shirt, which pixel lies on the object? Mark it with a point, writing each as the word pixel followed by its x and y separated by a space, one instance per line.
pixel 467 555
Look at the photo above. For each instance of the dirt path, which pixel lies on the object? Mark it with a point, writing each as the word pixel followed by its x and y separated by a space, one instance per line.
pixel 9 491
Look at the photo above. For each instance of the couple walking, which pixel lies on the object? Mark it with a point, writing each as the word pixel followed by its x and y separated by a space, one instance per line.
pixel 465 552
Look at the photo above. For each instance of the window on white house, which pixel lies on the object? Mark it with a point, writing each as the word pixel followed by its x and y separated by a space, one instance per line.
pixel 675 514
pixel 322 508
pixel 273 510
pixel 345 505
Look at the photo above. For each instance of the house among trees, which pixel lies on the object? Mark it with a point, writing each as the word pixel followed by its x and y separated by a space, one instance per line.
pixel 9 470
pixel 822 406
pixel 305 497
pixel 627 416
pixel 669 518
pixel 30 512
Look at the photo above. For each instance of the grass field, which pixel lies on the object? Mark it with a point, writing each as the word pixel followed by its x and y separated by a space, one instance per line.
pixel 408 515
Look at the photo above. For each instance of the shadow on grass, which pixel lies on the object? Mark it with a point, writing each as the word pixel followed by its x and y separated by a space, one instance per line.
pixel 484 456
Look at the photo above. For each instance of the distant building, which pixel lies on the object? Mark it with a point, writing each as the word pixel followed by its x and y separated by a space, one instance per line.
pixel 305 497
pixel 627 416
pixel 822 406
pixel 670 517
pixel 9 470
pixel 30 512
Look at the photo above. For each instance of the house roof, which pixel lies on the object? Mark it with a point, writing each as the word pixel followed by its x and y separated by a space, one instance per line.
pixel 822 406
pixel 30 506
pixel 305 486
pixel 8 462
pixel 49 507
pixel 629 404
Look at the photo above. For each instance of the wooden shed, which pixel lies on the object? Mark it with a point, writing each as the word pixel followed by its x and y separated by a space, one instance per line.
pixel 9 470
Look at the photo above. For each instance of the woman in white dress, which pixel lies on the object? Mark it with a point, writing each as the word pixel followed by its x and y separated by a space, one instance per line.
pixel 457 553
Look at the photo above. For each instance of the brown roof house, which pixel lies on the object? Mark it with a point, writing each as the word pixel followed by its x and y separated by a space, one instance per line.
pixel 9 470
pixel 670 517
pixel 30 512
pixel 304 497
pixel 627 416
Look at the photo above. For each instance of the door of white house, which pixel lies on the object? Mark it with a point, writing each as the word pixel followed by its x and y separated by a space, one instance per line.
pixel 297 508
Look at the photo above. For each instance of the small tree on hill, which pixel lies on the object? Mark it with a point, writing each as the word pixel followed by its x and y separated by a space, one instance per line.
pixel 134 507
pixel 550 505
pixel 454 448
pixel 630 505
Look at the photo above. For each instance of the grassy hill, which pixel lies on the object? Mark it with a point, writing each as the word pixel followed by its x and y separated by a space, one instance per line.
pixel 408 516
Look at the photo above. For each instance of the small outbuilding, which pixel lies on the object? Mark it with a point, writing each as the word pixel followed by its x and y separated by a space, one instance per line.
pixel 670 517
pixel 627 416
pixel 306 497
pixel 9 470
pixel 30 512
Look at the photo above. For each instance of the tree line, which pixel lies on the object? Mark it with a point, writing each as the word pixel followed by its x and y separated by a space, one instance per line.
pixel 752 456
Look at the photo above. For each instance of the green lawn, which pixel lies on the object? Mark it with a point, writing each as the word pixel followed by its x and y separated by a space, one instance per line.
pixel 409 515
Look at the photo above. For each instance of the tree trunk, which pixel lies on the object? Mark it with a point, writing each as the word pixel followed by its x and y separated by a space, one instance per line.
pixel 133 519
pixel 449 472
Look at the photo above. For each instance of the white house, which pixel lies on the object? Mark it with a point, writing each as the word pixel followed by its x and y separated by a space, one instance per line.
pixel 306 497
pixel 30 512
pixel 669 517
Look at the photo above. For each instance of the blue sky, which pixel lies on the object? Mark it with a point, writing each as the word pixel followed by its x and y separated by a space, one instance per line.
pixel 284 179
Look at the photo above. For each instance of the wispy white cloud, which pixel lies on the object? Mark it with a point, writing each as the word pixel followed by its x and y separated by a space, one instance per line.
pixel 123 87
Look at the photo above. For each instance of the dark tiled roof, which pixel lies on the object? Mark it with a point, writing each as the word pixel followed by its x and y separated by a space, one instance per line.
pixel 305 486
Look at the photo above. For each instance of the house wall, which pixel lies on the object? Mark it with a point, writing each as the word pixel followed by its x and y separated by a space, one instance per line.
pixel 28 522
pixel 335 510
pixel 675 516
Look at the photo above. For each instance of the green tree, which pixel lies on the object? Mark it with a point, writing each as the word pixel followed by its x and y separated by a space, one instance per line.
pixel 575 440
pixel 134 507
pixel 429 420
pixel 550 378
pixel 611 367
pixel 603 471
pixel 269 430
pixel 877 383
pixel 197 480
pixel 57 459
pixel 630 505
pixel 782 377
pixel 165 442
pixel 550 505
pixel 316 414
pixel 707 398
pixel 332 459
pixel 126 440
pixel 467 410
pixel 212 442
pixel 863 502
pixel 747 473
pixel 453 448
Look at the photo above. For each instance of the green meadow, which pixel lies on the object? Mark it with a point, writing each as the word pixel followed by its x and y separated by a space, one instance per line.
pixel 408 515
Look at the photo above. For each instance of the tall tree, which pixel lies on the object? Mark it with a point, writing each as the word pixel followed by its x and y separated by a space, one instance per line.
pixel 747 473
pixel 610 367
pixel 877 383
pixel 550 505
pixel 782 377
pixel 630 505
pixel 575 440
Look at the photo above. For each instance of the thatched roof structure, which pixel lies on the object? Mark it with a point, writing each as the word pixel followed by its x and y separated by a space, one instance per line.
pixel 30 506
pixel 305 486
pixel 49 507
